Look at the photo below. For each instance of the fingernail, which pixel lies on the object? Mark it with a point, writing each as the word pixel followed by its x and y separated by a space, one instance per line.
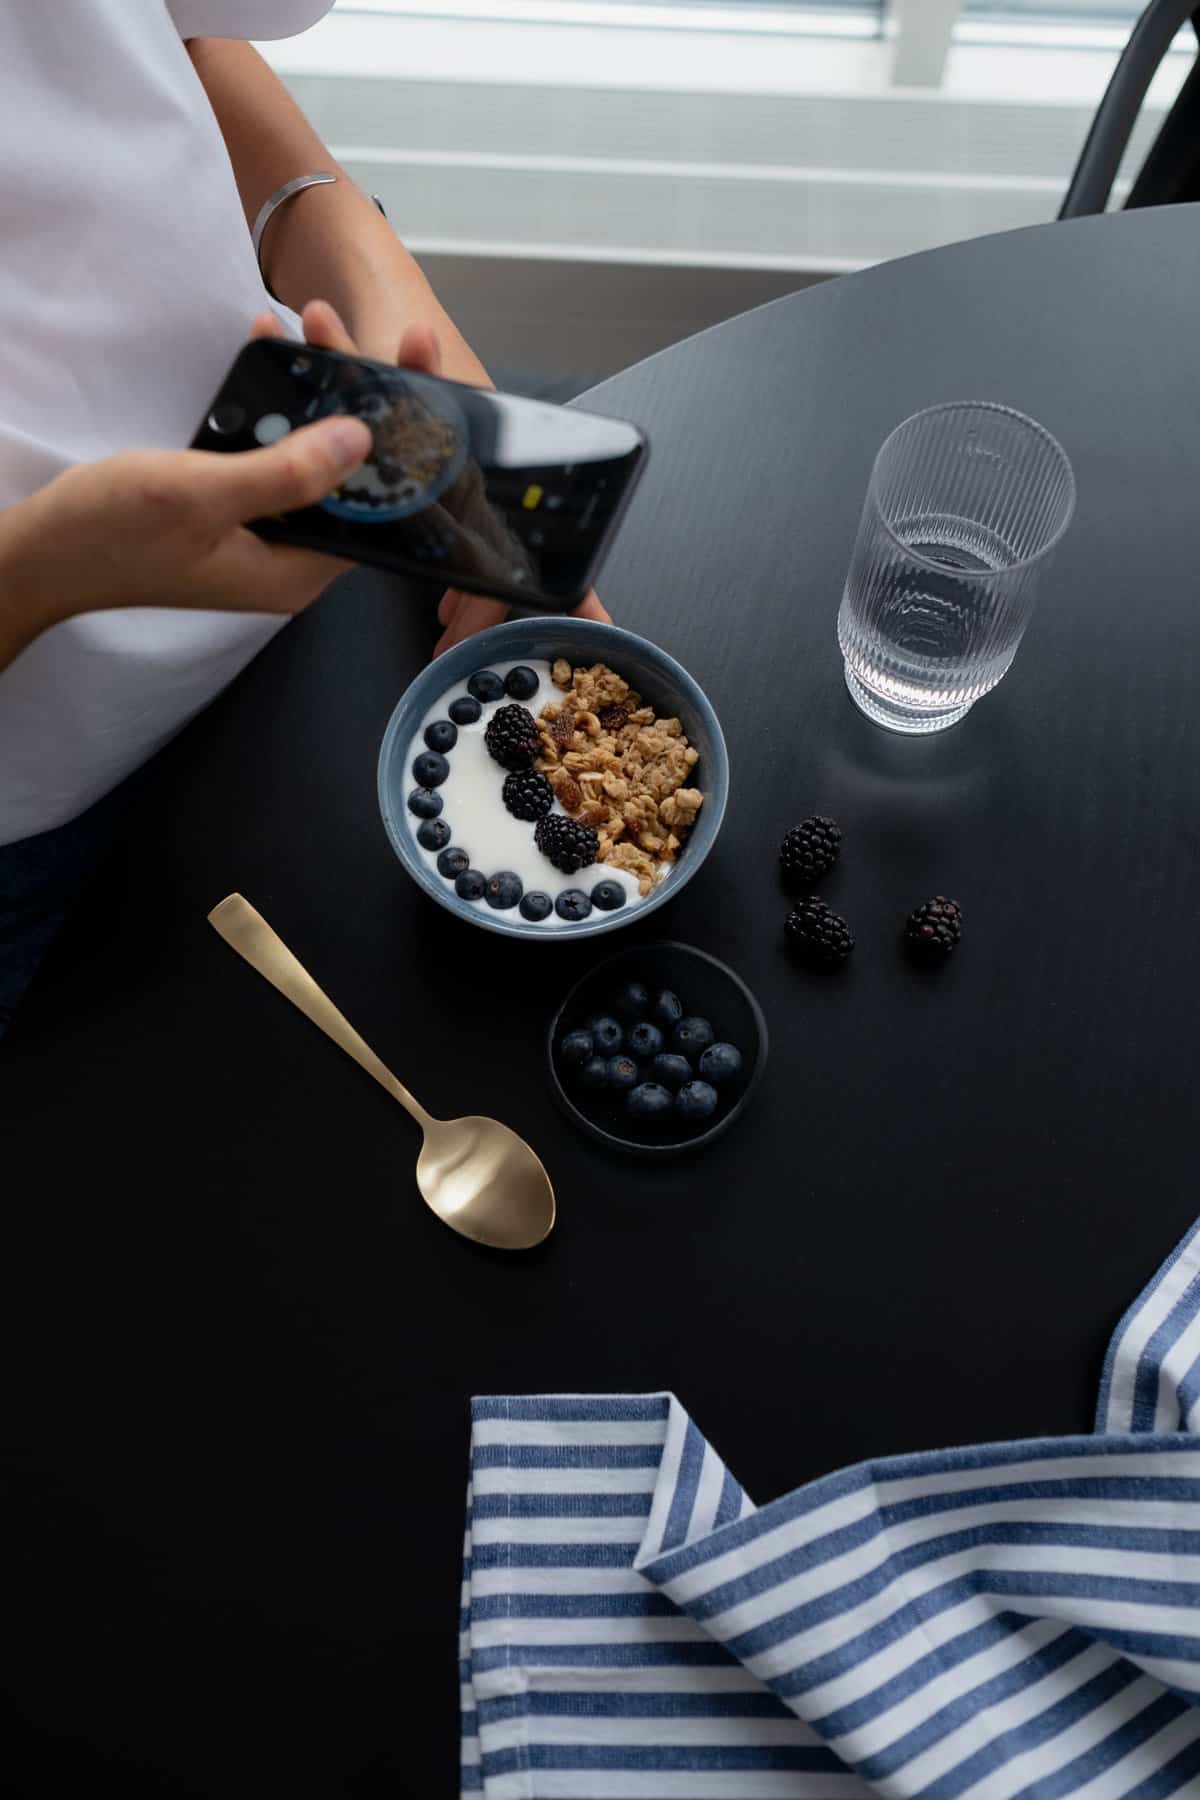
pixel 349 439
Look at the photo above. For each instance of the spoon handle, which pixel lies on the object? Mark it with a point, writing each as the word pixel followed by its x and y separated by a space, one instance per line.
pixel 247 932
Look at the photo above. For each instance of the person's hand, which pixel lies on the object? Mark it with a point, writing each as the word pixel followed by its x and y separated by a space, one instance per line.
pixel 168 527
pixel 461 615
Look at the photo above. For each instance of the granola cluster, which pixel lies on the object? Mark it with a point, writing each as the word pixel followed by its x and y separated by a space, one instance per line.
pixel 615 766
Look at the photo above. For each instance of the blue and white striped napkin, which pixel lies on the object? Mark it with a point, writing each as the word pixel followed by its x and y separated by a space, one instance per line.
pixel 1003 1622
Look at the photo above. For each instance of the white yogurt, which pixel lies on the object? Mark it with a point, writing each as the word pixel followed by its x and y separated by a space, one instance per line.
pixel 482 825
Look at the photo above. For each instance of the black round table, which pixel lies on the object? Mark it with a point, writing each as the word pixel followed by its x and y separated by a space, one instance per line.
pixel 239 1348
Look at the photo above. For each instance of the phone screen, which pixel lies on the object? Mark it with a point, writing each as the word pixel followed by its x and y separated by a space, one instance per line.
pixel 475 489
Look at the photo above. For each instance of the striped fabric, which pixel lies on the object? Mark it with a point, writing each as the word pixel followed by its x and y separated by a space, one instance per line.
pixel 1004 1622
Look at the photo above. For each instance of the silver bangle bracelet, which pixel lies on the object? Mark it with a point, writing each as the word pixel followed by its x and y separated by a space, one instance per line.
pixel 270 207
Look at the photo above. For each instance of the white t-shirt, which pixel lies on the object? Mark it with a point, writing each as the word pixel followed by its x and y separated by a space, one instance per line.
pixel 127 285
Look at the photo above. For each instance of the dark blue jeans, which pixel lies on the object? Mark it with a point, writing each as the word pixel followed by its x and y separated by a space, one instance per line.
pixel 39 877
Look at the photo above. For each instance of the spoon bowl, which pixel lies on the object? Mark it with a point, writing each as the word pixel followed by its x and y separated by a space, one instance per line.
pixel 479 1177
pixel 485 1181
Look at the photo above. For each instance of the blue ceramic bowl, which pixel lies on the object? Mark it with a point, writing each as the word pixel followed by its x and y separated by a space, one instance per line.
pixel 667 687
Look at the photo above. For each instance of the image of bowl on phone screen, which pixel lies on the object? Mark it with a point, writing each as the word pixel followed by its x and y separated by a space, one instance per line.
pixel 419 442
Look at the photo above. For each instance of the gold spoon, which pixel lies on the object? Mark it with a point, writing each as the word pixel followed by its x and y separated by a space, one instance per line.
pixel 479 1177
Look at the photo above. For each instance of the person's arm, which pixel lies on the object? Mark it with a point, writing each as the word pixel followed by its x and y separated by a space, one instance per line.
pixel 168 528
pixel 329 243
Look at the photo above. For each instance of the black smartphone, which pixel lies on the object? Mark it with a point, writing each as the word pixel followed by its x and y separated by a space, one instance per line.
pixel 474 489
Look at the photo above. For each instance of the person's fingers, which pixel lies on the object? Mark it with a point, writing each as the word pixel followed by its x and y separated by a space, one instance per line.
pixel 298 471
pixel 323 328
pixel 449 604
pixel 475 614
pixel 419 349
pixel 247 574
pixel 267 325
pixel 592 609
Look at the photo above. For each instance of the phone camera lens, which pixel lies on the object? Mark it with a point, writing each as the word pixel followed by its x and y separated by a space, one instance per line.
pixel 301 365
pixel 226 419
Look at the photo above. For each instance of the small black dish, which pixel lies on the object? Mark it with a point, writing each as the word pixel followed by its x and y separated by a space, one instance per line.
pixel 707 988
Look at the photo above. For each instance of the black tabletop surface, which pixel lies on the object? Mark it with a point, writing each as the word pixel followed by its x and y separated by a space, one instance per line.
pixel 239 1349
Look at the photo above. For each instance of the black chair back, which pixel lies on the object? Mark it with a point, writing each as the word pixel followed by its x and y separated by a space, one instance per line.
pixel 1171 171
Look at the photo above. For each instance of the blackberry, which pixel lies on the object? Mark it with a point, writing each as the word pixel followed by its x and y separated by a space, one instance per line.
pixel 809 851
pixel 566 843
pixel 527 794
pixel 512 737
pixel 817 935
pixel 933 930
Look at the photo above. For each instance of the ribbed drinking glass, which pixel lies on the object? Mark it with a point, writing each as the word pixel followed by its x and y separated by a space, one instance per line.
pixel 965 505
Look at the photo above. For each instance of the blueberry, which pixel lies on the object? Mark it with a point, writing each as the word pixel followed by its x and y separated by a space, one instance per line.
pixel 576 1049
pixel 594 1074
pixel 425 803
pixel 622 1074
pixel 721 1063
pixel 521 683
pixel 486 685
pixel 667 1009
pixel 633 1002
pixel 470 885
pixel 465 710
pixel 691 1036
pixel 430 769
pixel 573 904
pixel 434 834
pixel 452 863
pixel 535 907
pixel 649 1101
pixel 645 1040
pixel 672 1071
pixel 697 1100
pixel 609 896
pixel 441 735
pixel 503 890
pixel 607 1035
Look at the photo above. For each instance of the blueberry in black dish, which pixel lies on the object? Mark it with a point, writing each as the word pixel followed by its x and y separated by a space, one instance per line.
pixel 485 685
pixel 503 890
pixel 720 1063
pixel 521 683
pixel 465 710
pixel 594 1073
pixel 423 803
pixel 441 736
pixel 623 1073
pixel 671 1071
pixel 433 834
pixel 430 770
pixel 576 1049
pixel 649 1101
pixel 667 1009
pixel 453 862
pixel 697 1100
pixel 572 905
pixel 645 1040
pixel 692 1037
pixel 633 1001
pixel 536 906
pixel 607 1035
